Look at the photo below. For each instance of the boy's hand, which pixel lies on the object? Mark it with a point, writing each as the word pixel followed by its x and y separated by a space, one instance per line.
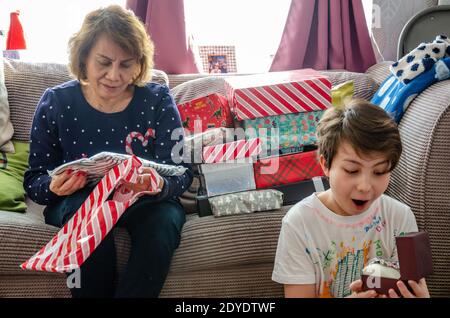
pixel 356 287
pixel 420 290
pixel 68 182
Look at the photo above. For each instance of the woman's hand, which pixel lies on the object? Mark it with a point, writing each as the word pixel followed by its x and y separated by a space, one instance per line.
pixel 144 181
pixel 356 288
pixel 420 290
pixel 68 182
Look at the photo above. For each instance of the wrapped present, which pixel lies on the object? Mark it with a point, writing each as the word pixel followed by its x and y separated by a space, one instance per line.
pixel 225 177
pixel 295 192
pixel 203 206
pixel 286 169
pixel 290 150
pixel 211 111
pixel 294 130
pixel 194 144
pixel 246 202
pixel 277 93
pixel 81 235
pixel 232 150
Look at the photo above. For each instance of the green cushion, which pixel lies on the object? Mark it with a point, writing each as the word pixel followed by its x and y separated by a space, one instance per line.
pixel 12 169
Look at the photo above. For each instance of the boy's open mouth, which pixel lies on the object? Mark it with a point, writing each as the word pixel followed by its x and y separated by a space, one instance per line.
pixel 359 202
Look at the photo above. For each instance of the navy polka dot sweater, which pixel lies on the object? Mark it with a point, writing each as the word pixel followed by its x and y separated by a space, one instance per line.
pixel 65 128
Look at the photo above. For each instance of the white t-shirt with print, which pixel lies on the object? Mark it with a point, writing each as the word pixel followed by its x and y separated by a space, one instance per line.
pixel 318 246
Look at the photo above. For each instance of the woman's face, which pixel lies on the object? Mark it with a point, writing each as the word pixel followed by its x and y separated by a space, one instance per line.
pixel 109 69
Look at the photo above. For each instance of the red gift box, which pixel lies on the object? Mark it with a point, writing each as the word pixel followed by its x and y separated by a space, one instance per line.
pixel 232 150
pixel 212 111
pixel 277 93
pixel 291 168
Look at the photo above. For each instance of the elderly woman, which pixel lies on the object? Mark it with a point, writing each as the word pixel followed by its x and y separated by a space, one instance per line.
pixel 111 56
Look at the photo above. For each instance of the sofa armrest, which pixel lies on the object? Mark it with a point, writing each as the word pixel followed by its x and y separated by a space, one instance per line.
pixel 422 178
pixel 379 72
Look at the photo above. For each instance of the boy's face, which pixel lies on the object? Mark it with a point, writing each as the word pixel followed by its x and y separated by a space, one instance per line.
pixel 355 182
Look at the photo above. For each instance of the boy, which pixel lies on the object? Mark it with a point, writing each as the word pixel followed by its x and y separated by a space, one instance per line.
pixel 327 238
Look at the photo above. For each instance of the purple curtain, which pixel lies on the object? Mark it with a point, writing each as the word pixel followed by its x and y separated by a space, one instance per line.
pixel 165 23
pixel 325 34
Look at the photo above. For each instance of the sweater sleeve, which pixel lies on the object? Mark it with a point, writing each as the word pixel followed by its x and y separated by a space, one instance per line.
pixel 168 124
pixel 45 153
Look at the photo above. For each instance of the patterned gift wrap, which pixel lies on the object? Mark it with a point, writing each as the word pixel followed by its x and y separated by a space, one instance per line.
pixel 232 150
pixel 81 235
pixel 211 111
pixel 294 130
pixel 246 202
pixel 291 168
pixel 277 93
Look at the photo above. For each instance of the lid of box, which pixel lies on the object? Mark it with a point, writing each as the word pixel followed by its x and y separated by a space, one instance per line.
pixel 414 255
pixel 271 78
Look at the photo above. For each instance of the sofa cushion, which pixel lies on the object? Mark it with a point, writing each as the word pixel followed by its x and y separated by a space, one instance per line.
pixel 12 169
pixel 6 127
pixel 26 82
pixel 206 243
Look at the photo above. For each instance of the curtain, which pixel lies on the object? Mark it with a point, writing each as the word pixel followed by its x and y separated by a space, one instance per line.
pixel 165 24
pixel 325 34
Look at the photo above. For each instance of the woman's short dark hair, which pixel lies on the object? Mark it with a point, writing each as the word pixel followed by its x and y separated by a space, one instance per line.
pixel 366 127
pixel 122 27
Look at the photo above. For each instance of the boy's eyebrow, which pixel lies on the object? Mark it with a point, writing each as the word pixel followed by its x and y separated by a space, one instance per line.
pixel 359 163
pixel 108 58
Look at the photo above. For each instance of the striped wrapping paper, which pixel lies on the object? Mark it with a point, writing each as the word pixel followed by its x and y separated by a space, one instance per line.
pixel 232 150
pixel 80 236
pixel 276 93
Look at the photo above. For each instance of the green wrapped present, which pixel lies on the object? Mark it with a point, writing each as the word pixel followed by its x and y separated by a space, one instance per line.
pixel 292 130
pixel 246 202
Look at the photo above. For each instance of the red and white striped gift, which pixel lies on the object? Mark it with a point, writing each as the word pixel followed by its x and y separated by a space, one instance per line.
pixel 232 150
pixel 80 236
pixel 278 93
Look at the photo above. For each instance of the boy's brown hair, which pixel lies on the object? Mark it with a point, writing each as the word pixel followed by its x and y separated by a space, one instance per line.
pixel 366 127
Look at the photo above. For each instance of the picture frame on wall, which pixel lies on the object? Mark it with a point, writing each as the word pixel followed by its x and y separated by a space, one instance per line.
pixel 218 58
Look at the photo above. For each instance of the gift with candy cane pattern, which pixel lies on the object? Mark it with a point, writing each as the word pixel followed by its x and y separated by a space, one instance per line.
pixel 81 235
pixel 277 93
pixel 232 150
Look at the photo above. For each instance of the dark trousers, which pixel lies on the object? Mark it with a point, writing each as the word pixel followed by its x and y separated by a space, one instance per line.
pixel 155 233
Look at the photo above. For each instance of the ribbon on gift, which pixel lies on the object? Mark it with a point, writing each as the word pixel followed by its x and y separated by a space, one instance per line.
pixel 81 235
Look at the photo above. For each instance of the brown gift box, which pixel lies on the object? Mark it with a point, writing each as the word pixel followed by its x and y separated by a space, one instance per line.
pixel 414 255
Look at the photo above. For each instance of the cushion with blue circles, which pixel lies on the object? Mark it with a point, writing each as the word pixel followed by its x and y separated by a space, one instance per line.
pixel 394 96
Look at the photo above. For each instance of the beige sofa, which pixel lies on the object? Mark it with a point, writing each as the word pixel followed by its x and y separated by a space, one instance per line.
pixel 233 256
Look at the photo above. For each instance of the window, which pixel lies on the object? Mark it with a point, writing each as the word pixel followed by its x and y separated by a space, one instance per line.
pixel 253 27
pixel 48 25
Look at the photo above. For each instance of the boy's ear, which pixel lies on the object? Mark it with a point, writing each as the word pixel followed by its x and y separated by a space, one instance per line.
pixel 323 164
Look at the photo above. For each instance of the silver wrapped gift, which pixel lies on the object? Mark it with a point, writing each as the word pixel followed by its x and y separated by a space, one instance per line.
pixel 227 177
pixel 246 202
